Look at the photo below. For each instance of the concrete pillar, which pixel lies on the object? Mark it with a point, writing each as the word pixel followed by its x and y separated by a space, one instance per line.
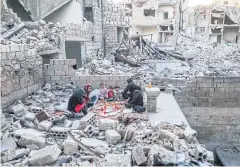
pixel 152 94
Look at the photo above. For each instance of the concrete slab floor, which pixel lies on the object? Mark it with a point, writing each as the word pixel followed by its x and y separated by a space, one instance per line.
pixel 168 110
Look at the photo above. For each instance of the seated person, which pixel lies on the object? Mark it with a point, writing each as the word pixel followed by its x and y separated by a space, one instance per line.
pixel 77 103
pixel 89 100
pixel 131 87
pixel 136 101
pixel 110 93
pixel 117 94
pixel 102 92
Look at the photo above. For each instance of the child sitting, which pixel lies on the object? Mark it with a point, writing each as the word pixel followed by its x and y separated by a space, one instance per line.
pixel 117 94
pixel 110 94
pixel 102 92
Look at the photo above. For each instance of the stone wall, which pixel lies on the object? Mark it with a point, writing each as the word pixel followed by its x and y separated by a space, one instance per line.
pixel 211 107
pixel 210 92
pixel 113 16
pixel 41 8
pixel 60 71
pixel 94 47
pixel 216 127
pixel 21 72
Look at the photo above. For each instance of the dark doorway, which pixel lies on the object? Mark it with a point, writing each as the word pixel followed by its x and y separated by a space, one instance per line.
pixel 73 51
pixel 219 38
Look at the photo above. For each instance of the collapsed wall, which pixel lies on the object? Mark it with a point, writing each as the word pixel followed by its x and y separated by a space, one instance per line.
pixel 211 106
pixel 21 72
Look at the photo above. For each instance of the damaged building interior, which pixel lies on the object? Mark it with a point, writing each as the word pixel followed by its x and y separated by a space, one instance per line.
pixel 120 82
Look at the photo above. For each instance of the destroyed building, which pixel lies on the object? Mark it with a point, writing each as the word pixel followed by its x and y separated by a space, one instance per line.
pixel 51 48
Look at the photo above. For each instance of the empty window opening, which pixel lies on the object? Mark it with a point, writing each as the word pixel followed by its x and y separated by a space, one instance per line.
pixel 88 13
pixel 165 15
pixel 171 27
pixel 98 3
pixel 217 30
pixel 119 34
pixel 163 28
pixel 201 29
pixel 149 12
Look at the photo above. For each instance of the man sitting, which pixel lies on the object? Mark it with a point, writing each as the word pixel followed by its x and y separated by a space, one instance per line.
pixel 131 87
pixel 77 103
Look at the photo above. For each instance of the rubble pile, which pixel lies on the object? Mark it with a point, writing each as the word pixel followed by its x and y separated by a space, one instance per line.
pixel 40 131
pixel 211 59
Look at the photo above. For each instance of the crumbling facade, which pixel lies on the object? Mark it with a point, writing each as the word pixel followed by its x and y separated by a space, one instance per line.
pixel 114 20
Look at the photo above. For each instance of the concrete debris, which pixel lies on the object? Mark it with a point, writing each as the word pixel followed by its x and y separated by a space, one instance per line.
pixel 88 139
pixel 70 146
pixel 44 156
pixel 29 136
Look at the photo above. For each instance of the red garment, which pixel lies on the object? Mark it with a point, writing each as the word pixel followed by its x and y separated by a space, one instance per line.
pixel 110 93
pixel 79 107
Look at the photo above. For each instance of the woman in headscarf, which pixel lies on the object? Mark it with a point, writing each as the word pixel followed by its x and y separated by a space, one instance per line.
pixel 77 102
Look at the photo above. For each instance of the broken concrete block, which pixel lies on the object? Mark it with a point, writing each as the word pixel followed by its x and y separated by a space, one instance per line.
pixel 30 136
pixel 189 132
pixel 75 124
pixel 89 130
pixel 139 156
pixel 45 125
pixel 19 108
pixel 8 155
pixel 200 152
pixel 210 157
pixel 87 120
pixel 165 134
pixel 44 156
pixel 8 144
pixel 112 136
pixel 29 116
pixel 42 116
pixel 70 146
pixel 35 109
pixel 59 132
pixel 116 159
pixel 105 124
pixel 91 142
pixel 22 152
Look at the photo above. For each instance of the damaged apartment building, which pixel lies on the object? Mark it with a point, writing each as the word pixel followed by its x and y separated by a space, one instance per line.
pixel 218 24
pixel 80 21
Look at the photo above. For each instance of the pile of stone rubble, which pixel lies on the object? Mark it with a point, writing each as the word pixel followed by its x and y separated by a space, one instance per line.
pixel 211 59
pixel 34 132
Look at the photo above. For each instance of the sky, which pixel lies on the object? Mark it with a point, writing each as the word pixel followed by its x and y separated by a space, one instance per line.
pixel 199 2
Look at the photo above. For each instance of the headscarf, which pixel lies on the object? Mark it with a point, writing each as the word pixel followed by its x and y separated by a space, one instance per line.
pixel 86 87
pixel 79 93
pixel 129 80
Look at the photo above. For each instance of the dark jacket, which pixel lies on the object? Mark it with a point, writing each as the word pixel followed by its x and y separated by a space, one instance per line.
pixel 137 98
pixel 130 88
pixel 75 99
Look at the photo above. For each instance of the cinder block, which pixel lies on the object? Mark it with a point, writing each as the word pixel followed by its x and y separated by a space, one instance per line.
pixel 55 78
pixel 14 48
pixel 105 124
pixel 61 61
pixel 60 73
pixel 56 67
pixel 70 61
pixel 29 116
pixel 112 136
pixel 66 78
pixel 139 156
pixel 71 73
pixel 49 72
pixel 70 146
pixel 5 48
pixel 87 120
pixel 45 125
pixel 56 61
pixel 75 78
pixel 19 108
